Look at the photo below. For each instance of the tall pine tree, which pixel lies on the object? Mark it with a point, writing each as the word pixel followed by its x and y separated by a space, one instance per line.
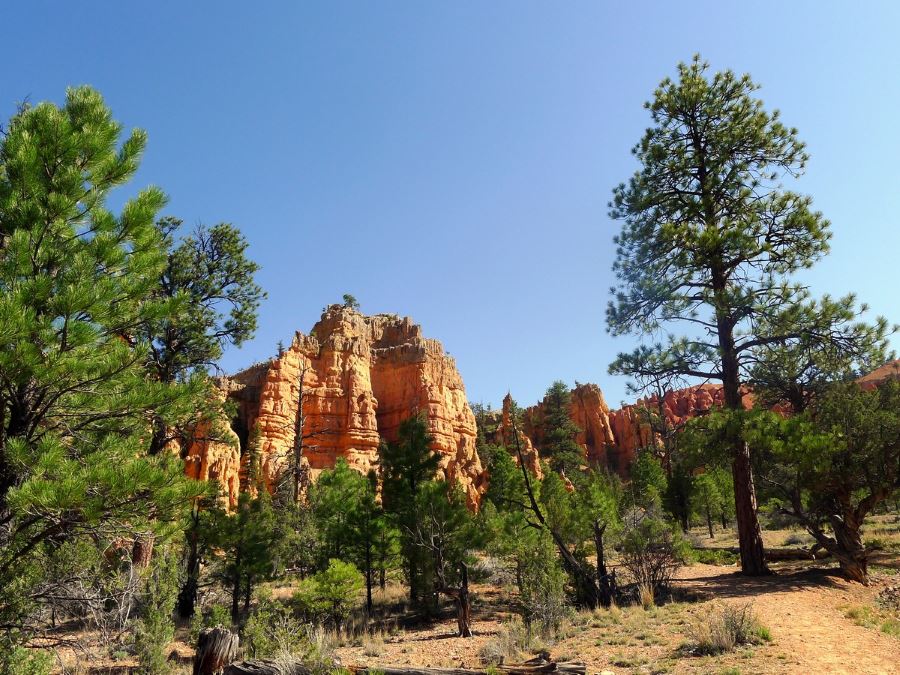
pixel 77 289
pixel 710 240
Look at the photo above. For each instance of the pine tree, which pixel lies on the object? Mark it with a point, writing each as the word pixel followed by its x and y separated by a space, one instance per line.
pixel 212 302
pixel 445 533
pixel 352 525
pixel 247 544
pixel 559 431
pixel 707 499
pixel 711 239
pixel 77 290
pixel 406 465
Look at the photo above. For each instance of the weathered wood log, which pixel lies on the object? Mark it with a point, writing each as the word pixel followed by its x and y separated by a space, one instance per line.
pixel 532 667
pixel 778 554
pixel 216 648
pixel 263 667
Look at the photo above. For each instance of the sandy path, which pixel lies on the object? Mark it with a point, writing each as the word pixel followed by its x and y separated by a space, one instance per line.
pixel 805 612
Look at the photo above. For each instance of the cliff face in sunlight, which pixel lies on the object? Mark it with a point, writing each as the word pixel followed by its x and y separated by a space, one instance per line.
pixel 612 438
pixel 360 376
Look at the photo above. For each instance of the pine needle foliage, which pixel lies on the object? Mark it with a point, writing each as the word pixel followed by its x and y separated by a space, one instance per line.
pixel 77 288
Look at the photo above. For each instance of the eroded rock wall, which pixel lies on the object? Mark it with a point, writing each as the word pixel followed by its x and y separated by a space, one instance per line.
pixel 360 377
pixel 612 438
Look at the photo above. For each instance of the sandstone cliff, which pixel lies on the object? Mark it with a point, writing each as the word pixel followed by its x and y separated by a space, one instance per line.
pixel 498 429
pixel 612 438
pixel 360 377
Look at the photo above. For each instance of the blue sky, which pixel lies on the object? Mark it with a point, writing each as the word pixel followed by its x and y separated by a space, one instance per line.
pixel 453 161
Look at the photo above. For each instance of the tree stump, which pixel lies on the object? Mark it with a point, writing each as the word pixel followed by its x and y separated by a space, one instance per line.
pixel 216 648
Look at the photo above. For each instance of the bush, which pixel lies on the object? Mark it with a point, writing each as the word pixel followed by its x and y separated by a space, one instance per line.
pixel 726 627
pixel 21 661
pixel 797 539
pixel 543 590
pixel 649 551
pixel 154 630
pixel 714 556
pixel 217 615
pixel 330 595
pixel 513 640
pixel 272 631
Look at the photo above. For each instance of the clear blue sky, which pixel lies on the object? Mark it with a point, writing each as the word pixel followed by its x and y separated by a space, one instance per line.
pixel 453 161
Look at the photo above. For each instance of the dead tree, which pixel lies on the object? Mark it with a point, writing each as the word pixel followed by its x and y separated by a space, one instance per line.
pixel 216 648
pixel 298 472
pixel 586 588
pixel 434 534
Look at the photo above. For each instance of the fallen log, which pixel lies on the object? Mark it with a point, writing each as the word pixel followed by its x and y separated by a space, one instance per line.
pixel 532 667
pixel 777 554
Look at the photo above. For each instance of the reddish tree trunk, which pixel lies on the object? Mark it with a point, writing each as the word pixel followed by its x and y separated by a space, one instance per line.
pixel 753 555
pixel 850 550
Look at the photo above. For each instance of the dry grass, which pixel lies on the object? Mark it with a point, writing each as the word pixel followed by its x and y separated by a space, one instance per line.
pixel 725 627
pixel 646 596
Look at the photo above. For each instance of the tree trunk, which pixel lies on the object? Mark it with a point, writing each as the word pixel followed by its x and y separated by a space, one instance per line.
pixel 248 589
pixel 850 551
pixel 724 519
pixel 463 605
pixel 753 554
pixel 709 522
pixel 603 585
pixel 142 550
pixel 236 595
pixel 369 577
pixel 413 586
pixel 216 648
pixel 753 561
pixel 187 596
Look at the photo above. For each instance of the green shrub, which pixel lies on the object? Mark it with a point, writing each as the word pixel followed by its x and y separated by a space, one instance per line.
pixel 272 631
pixel 154 630
pixel 21 661
pixel 217 615
pixel 543 588
pixel 331 594
pixel 714 556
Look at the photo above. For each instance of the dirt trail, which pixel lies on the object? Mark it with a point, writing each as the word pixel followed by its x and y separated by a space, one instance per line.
pixel 805 612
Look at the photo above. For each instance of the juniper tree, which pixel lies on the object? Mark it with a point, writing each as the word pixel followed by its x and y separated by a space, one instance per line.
pixel 833 465
pixel 77 289
pixel 710 240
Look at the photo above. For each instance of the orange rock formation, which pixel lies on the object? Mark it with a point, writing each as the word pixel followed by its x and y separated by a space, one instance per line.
pixel 613 437
pixel 502 434
pixel 360 376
